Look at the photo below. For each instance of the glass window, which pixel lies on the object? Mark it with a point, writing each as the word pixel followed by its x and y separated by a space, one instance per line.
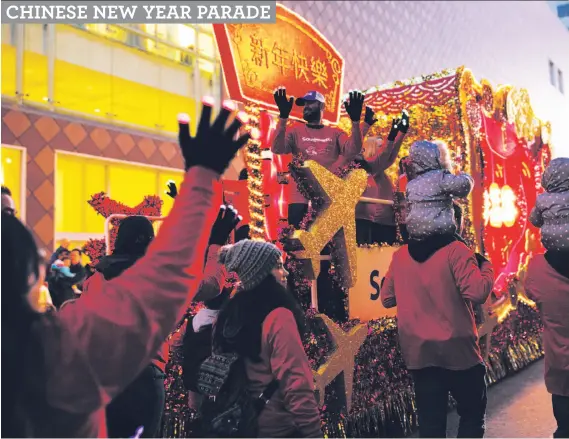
pixel 12 175
pixel 109 31
pixel 563 10
pixel 8 60
pixel 205 28
pixel 206 45
pixel 78 178
pixel 178 34
pixel 560 81
pixel 8 34
pixel 552 73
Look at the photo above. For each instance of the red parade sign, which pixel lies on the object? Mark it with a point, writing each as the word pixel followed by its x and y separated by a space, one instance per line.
pixel 256 59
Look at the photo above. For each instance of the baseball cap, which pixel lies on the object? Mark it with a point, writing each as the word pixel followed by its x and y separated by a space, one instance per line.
pixel 310 96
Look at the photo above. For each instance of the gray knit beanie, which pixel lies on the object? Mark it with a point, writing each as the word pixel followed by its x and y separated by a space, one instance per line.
pixel 253 261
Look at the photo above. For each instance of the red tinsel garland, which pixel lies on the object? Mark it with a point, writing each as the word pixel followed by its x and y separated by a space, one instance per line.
pixel 105 206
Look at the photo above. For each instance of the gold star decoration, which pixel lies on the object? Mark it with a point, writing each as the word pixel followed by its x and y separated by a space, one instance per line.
pixel 337 215
pixel 342 360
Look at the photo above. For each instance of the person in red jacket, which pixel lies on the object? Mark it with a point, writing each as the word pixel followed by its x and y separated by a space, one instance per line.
pixel 263 324
pixel 329 146
pixel 547 283
pixel 70 365
pixel 380 155
pixel 437 329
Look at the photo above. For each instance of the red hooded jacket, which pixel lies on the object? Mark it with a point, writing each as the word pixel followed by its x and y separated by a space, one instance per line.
pixel 435 317
pixel 550 289
pixel 93 349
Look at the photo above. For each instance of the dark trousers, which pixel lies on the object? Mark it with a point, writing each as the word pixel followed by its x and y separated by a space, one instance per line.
pixel 140 404
pixel 561 413
pixel 468 388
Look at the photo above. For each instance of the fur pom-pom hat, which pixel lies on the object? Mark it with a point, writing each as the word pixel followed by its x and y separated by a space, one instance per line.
pixel 253 261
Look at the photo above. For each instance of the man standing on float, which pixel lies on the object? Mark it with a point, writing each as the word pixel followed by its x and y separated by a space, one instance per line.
pixel 326 145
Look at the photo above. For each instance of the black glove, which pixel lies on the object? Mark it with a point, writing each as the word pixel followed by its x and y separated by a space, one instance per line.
pixel 400 124
pixel 172 189
pixel 214 146
pixel 404 125
pixel 284 103
pixel 354 105
pixel 227 219
pixel 369 117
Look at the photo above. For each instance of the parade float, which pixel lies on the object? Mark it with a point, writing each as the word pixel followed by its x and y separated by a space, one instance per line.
pixel 362 385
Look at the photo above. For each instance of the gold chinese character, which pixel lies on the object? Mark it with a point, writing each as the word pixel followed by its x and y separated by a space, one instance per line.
pixel 300 64
pixel 281 58
pixel 260 55
pixel 319 72
pixel 330 104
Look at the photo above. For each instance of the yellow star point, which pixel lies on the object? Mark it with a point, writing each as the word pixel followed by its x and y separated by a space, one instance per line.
pixel 338 215
pixel 342 360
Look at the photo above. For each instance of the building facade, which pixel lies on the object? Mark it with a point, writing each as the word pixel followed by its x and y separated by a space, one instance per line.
pixel 561 9
pixel 93 108
pixel 506 42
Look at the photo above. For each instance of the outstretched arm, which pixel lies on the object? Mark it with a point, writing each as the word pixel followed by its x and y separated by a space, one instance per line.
pixel 282 143
pixel 351 146
pixel 474 275
pixel 389 151
pixel 458 185
pixel 131 315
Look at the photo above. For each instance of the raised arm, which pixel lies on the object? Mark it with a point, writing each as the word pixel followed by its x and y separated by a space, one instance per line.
pixel 535 216
pixel 351 146
pixel 458 185
pixel 131 315
pixel 282 143
pixel 389 151
pixel 474 277
pixel 214 273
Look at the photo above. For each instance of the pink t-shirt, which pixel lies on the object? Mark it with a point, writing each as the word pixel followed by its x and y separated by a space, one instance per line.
pixel 329 146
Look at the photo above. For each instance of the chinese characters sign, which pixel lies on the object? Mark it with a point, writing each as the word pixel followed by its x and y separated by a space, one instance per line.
pixel 257 58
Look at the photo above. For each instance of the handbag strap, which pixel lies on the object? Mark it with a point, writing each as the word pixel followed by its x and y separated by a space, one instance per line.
pixel 266 396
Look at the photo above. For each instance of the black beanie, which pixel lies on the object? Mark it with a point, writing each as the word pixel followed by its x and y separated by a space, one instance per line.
pixel 134 235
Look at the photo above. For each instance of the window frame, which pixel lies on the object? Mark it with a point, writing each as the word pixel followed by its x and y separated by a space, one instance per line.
pixel 23 179
pixel 552 74
pixel 80 236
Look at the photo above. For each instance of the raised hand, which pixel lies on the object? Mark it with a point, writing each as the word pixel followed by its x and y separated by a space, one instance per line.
pixel 404 125
pixel 172 189
pixel 399 125
pixel 214 145
pixel 227 219
pixel 354 105
pixel 284 103
pixel 369 117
